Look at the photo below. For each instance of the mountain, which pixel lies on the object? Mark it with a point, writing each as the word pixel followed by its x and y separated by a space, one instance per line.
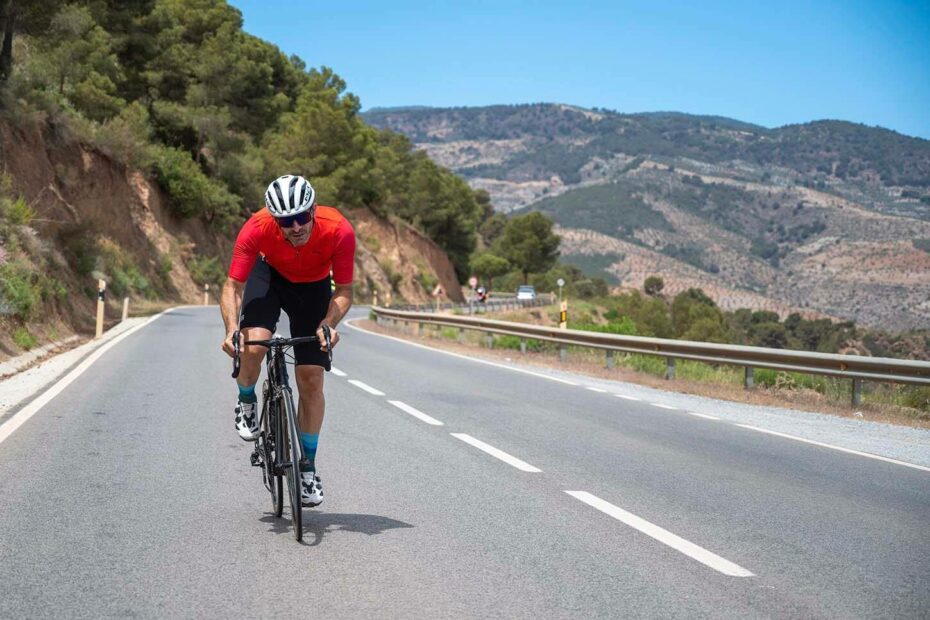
pixel 829 217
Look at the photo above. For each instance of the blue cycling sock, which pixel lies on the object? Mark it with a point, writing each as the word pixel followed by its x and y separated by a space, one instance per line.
pixel 247 394
pixel 309 441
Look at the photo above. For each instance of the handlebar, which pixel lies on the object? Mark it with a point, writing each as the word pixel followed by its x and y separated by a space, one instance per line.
pixel 278 342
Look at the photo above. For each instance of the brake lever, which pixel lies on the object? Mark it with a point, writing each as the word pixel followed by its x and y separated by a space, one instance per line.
pixel 236 362
pixel 329 345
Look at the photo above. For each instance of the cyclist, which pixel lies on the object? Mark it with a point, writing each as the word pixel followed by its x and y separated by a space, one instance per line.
pixel 282 259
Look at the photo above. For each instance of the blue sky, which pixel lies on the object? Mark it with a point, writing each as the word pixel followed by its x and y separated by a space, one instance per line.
pixel 771 63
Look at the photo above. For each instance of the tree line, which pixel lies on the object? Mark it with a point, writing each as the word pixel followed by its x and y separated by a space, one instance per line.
pixel 177 88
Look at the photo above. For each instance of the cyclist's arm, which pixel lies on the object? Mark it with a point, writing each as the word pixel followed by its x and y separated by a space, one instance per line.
pixel 339 304
pixel 230 302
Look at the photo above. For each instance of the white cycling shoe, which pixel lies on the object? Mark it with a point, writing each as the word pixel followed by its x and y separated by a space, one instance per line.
pixel 311 489
pixel 247 420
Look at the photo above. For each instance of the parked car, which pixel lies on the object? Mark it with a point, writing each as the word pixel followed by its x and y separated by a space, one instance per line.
pixel 526 292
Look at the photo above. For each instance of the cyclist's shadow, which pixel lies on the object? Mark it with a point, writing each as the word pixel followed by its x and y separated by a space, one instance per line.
pixel 318 524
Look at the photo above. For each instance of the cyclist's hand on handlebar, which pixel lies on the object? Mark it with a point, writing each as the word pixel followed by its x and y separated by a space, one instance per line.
pixel 229 346
pixel 333 336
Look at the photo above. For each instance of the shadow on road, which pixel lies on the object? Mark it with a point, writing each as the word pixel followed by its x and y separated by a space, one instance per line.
pixel 317 524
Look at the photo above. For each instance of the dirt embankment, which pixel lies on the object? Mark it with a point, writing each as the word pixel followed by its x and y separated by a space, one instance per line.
pixel 84 200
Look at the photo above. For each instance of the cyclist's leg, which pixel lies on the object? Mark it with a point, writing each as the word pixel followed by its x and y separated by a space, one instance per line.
pixel 306 305
pixel 261 309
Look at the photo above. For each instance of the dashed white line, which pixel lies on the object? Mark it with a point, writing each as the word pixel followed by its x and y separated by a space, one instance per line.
pixel 702 415
pixel 677 543
pixel 366 387
pixel 627 397
pixel 832 447
pixel 415 413
pixel 337 372
pixel 499 454
pixel 598 390
pixel 664 406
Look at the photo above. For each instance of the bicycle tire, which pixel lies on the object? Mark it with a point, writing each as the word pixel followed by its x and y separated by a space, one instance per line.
pixel 273 480
pixel 293 463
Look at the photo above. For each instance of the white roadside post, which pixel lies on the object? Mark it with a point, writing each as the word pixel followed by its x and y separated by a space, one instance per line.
pixel 125 308
pixel 206 294
pixel 101 296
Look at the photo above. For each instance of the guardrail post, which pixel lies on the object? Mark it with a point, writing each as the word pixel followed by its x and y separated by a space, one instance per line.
pixel 856 392
pixel 419 329
pixel 749 380
pixel 523 346
pixel 101 296
pixel 610 359
pixel 669 368
pixel 461 335
pixel 489 340
pixel 563 352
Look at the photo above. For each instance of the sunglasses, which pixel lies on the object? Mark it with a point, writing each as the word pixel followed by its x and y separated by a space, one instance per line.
pixel 301 218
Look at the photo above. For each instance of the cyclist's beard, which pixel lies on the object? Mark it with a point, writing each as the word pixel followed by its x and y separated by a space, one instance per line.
pixel 298 237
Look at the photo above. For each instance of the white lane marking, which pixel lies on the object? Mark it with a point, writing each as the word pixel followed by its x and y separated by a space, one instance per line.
pixel 677 543
pixel 832 447
pixel 32 408
pixel 458 355
pixel 415 413
pixel 627 397
pixel 337 372
pixel 500 454
pixel 598 390
pixel 702 415
pixel 663 406
pixel 366 387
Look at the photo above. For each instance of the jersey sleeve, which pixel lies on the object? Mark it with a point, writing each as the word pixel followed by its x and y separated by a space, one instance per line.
pixel 245 253
pixel 344 254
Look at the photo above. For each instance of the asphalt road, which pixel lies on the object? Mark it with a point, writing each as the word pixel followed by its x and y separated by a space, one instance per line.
pixel 130 495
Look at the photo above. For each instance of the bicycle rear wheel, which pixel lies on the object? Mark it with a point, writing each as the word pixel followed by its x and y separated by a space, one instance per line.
pixel 273 480
pixel 292 445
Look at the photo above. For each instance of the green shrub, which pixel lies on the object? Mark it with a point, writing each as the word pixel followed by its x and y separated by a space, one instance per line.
pixel 164 267
pixel 23 339
pixel 19 290
pixel 206 270
pixel 916 398
pixel 16 211
pixel 190 191
pixel 646 363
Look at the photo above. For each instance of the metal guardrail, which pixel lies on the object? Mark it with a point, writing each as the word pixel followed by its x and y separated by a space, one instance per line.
pixel 855 367
pixel 477 307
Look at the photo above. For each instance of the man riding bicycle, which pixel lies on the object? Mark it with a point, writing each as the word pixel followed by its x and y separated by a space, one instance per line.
pixel 282 259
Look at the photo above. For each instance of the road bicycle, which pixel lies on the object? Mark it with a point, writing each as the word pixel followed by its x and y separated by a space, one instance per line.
pixel 278 451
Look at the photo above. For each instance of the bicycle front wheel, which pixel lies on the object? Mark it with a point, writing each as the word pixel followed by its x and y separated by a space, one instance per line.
pixel 292 464
pixel 273 480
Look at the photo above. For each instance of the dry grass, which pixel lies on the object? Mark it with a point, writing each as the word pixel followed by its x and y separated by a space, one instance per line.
pixel 592 364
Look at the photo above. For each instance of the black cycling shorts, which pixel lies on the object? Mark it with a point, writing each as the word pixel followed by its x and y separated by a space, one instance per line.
pixel 267 292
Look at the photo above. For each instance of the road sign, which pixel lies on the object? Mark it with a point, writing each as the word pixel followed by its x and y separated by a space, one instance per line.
pixel 560 282
pixel 437 291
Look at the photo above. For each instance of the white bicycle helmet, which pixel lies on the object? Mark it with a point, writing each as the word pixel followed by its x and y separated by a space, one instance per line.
pixel 289 195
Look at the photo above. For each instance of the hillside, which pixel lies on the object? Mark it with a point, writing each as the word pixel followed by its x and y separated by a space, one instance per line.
pixel 92 217
pixel 135 138
pixel 826 217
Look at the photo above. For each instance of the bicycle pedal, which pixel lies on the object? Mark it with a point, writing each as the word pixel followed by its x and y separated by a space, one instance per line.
pixel 255 459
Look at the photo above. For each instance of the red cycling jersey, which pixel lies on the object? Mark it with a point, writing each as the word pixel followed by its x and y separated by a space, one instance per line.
pixel 331 247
